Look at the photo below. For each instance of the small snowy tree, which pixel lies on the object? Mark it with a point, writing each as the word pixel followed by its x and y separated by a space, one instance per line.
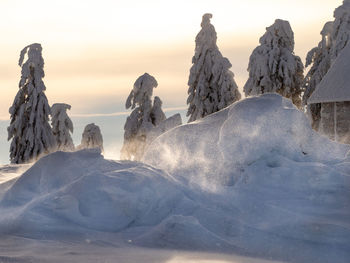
pixel 142 119
pixel 29 128
pixel 157 115
pixel 92 137
pixel 211 83
pixel 320 59
pixel 62 126
pixel 273 67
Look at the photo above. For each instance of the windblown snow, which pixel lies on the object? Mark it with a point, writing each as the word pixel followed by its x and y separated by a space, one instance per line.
pixel 252 179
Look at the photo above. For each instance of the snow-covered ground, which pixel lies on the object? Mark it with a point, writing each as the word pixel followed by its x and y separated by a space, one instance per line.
pixel 249 183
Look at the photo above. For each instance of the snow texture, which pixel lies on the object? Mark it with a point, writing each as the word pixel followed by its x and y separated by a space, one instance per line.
pixel 252 179
pixel 164 126
pixel 273 67
pixel 144 117
pixel 29 129
pixel 211 83
pixel 62 126
pixel 91 138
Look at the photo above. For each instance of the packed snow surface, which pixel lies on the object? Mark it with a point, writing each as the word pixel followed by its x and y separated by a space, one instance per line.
pixel 252 179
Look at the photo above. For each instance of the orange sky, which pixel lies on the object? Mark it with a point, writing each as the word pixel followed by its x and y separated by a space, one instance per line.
pixel 95 50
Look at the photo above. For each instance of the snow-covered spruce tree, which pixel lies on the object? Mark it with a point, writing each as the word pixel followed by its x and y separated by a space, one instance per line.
pixel 341 29
pixel 62 126
pixel 273 67
pixel 335 36
pixel 29 128
pixel 320 59
pixel 142 119
pixel 92 137
pixel 211 83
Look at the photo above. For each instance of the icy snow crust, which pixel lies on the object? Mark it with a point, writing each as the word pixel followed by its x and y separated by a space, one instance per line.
pixel 252 179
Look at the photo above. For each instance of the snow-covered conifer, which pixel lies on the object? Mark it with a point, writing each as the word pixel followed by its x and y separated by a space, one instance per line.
pixel 273 67
pixel 92 137
pixel 340 29
pixel 142 119
pixel 62 126
pixel 211 83
pixel 335 36
pixel 157 114
pixel 29 128
pixel 320 59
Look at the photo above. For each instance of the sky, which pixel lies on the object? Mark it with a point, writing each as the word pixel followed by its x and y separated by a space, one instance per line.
pixel 95 50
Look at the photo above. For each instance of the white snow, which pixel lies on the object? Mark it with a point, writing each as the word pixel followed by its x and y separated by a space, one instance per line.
pixel 253 179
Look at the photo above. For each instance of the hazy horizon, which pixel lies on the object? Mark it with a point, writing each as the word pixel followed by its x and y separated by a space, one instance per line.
pixel 94 51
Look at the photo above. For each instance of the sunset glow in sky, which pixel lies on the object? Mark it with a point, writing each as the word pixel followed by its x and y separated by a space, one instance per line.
pixel 95 50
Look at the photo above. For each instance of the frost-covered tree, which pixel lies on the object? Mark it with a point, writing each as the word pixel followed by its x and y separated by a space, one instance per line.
pixel 340 29
pixel 335 36
pixel 62 126
pixel 29 128
pixel 92 137
pixel 157 114
pixel 144 117
pixel 320 59
pixel 273 67
pixel 211 83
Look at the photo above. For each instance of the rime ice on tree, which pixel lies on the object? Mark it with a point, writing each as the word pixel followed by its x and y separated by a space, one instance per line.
pixel 330 68
pixel 29 127
pixel 144 117
pixel 335 37
pixel 341 30
pixel 273 67
pixel 62 126
pixel 320 59
pixel 211 83
pixel 92 137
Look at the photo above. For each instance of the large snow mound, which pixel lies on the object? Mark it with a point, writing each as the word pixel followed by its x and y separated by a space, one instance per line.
pixel 267 127
pixel 251 179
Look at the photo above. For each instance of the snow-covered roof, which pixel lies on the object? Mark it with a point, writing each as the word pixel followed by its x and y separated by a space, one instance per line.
pixel 335 86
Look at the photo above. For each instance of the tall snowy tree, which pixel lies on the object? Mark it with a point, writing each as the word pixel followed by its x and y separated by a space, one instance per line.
pixel 341 29
pixel 62 126
pixel 92 137
pixel 320 59
pixel 144 117
pixel 335 36
pixel 211 83
pixel 273 67
pixel 29 128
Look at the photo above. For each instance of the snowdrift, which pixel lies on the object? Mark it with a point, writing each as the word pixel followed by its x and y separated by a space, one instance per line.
pixel 251 179
pixel 69 190
pixel 221 145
